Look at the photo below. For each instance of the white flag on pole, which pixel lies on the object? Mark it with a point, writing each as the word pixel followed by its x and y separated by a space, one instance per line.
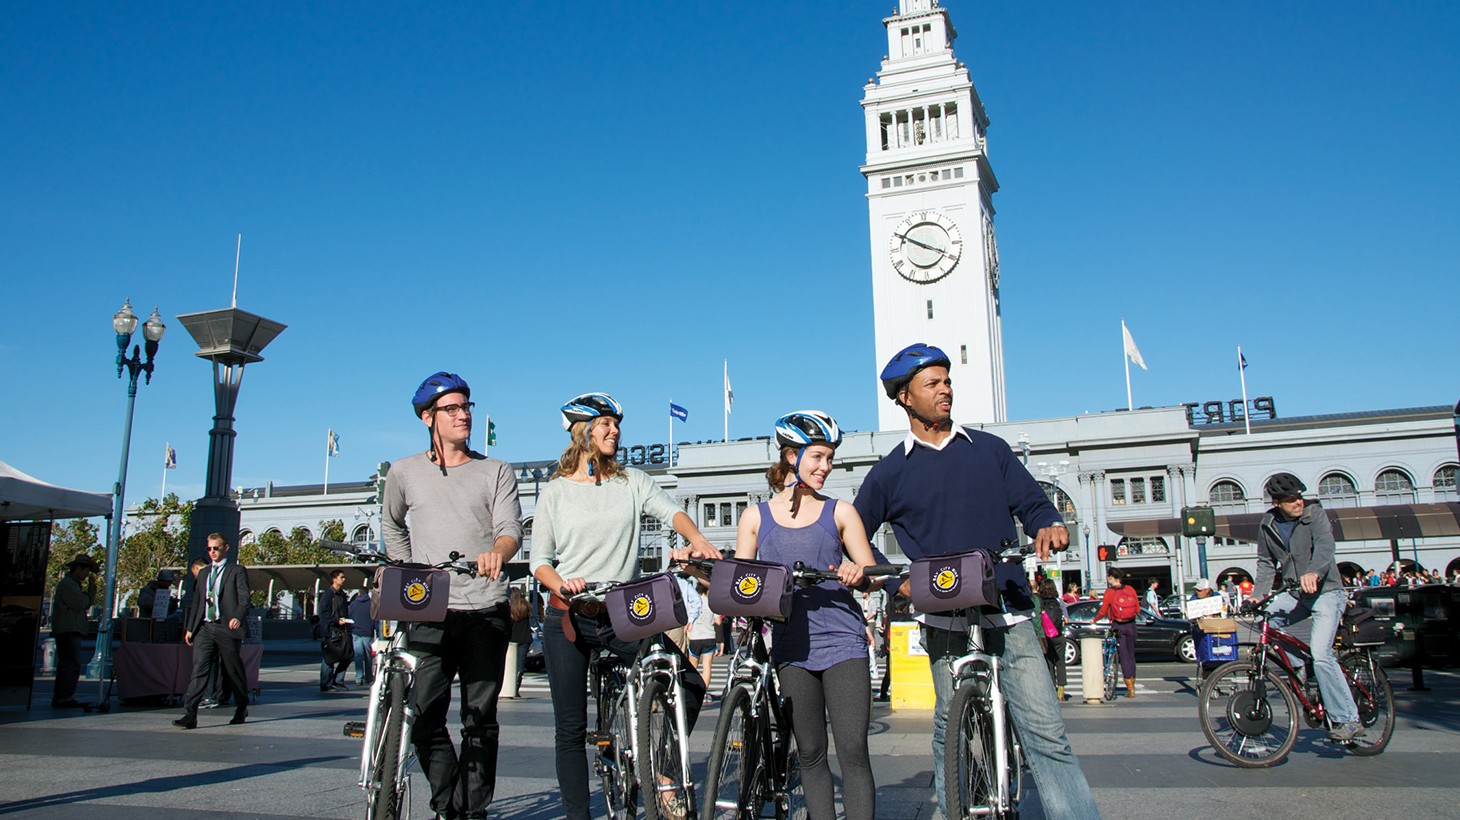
pixel 729 394
pixel 1130 347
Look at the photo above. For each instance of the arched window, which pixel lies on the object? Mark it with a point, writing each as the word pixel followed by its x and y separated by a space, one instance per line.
pixel 361 536
pixel 275 531
pixel 1142 545
pixel 1444 483
pixel 1227 497
pixel 1062 502
pixel 1338 490
pixel 1394 486
pixel 245 537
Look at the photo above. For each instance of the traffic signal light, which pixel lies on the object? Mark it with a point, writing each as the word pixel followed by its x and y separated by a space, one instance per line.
pixel 1105 552
pixel 1198 522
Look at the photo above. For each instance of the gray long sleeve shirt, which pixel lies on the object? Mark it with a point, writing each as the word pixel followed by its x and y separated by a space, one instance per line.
pixel 591 530
pixel 429 515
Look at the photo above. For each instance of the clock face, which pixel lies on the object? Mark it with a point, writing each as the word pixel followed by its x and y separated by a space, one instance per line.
pixel 925 247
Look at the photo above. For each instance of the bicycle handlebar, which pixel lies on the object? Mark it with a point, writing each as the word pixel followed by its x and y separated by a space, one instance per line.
pixel 455 563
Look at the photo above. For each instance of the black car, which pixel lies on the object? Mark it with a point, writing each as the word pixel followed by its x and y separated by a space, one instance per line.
pixel 1154 635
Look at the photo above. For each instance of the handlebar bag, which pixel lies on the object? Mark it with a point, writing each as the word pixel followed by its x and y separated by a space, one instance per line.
pixel 410 592
pixel 750 589
pixel 948 582
pixel 646 607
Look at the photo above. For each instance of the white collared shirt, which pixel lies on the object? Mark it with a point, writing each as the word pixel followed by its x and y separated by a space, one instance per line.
pixel 913 441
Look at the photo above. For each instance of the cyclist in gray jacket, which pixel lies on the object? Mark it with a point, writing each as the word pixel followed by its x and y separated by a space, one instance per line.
pixel 1296 539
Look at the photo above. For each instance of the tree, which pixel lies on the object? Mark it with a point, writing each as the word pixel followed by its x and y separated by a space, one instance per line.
pixel 160 541
pixel 69 540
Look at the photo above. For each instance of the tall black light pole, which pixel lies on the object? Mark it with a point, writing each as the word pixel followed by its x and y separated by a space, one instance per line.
pixel 229 338
pixel 124 322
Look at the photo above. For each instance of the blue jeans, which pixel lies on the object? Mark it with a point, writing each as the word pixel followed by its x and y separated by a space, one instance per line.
pixel 364 663
pixel 1326 609
pixel 1025 680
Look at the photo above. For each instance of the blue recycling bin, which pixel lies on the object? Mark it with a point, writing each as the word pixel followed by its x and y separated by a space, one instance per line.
pixel 1213 649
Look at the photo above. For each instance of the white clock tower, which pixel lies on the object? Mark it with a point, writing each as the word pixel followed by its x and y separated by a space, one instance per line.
pixel 935 266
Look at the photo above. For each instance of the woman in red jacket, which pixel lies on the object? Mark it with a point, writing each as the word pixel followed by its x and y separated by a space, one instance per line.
pixel 1121 605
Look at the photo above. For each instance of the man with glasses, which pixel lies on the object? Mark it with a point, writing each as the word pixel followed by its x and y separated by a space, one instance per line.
pixel 1296 539
pixel 458 500
pixel 215 630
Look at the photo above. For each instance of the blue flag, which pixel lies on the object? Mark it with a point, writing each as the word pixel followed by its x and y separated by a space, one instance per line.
pixel 1241 361
pixel 678 412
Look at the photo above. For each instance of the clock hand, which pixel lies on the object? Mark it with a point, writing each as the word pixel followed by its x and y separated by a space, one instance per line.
pixel 935 249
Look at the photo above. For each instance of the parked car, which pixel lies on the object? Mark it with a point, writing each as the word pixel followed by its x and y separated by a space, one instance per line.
pixel 1171 608
pixel 1155 635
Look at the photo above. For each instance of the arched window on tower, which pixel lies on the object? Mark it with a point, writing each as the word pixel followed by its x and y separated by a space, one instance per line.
pixel 1393 486
pixel 1444 484
pixel 1227 497
pixel 1338 490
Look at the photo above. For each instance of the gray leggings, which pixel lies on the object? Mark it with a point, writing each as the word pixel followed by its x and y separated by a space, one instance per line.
pixel 848 686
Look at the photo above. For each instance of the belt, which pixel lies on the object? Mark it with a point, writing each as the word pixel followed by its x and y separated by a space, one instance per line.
pixel 587 609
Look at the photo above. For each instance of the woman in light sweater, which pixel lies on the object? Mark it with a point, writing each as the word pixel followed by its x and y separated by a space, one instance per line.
pixel 586 529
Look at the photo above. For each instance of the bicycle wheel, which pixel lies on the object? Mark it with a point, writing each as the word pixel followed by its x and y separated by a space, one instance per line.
pixel 614 762
pixel 1249 719
pixel 970 779
pixel 659 748
pixel 383 795
pixel 1375 700
pixel 734 779
pixel 1112 673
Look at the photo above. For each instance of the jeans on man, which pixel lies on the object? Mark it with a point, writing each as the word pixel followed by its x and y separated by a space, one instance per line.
pixel 364 662
pixel 472 644
pixel 1326 610
pixel 1025 680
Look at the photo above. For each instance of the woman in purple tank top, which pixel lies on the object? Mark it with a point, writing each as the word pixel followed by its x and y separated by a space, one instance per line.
pixel 820 651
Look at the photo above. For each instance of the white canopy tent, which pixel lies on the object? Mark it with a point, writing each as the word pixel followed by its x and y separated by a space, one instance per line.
pixel 26 498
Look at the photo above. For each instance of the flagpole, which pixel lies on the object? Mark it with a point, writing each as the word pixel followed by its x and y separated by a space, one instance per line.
pixel 1125 354
pixel 328 436
pixel 1242 371
pixel 727 400
pixel 487 437
pixel 671 431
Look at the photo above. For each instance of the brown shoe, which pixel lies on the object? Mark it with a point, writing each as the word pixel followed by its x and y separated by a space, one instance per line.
pixel 1130 687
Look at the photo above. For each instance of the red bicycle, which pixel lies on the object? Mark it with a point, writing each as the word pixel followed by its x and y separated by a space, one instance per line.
pixel 1249 708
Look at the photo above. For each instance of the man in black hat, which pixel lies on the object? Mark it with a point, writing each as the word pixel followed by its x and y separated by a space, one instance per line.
pixel 147 598
pixel 69 626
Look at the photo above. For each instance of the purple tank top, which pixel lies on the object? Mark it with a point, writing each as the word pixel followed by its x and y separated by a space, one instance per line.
pixel 825 626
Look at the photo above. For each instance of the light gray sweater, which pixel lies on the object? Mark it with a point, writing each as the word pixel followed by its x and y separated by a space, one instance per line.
pixel 428 516
pixel 592 530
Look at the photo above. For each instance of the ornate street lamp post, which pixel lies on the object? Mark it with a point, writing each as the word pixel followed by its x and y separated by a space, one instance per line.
pixel 124 323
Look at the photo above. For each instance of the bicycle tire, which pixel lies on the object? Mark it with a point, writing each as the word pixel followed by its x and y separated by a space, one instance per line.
pixel 970 783
pixel 657 761
pixel 619 786
pixel 383 794
pixel 1249 720
pixel 1375 701
pixel 1112 662
pixel 735 775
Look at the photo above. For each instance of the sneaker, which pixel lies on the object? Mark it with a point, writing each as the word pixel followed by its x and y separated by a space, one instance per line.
pixel 1346 732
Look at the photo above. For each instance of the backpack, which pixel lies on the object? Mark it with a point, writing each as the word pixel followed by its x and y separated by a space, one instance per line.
pixel 1126 605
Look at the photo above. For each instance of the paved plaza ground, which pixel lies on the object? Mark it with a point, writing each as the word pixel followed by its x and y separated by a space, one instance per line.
pixel 1144 758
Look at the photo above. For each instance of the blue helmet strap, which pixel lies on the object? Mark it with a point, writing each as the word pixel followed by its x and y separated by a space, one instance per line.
pixel 796 482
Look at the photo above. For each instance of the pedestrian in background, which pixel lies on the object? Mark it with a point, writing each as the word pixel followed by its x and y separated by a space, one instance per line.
pixel 69 626
pixel 521 614
pixel 1153 598
pixel 1052 619
pixel 214 629
pixel 334 632
pixel 1121 605
pixel 363 631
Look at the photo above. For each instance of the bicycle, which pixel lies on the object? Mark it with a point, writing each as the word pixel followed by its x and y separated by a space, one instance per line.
pixel 386 755
pixel 1249 707
pixel 641 727
pixel 753 758
pixel 983 760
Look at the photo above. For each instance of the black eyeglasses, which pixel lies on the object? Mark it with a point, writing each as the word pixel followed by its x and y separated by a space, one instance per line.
pixel 212 548
pixel 454 410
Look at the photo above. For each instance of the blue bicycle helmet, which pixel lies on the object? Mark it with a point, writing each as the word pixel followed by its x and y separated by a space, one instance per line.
pixel 590 406
pixel 908 361
pixel 434 385
pixel 805 427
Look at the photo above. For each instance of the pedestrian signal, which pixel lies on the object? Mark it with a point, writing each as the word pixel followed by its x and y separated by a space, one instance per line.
pixel 1105 552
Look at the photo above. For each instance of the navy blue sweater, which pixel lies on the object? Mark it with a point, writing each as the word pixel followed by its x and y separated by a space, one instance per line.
pixel 958 499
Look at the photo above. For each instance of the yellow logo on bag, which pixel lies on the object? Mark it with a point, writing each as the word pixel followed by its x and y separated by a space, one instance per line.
pixel 416 592
pixel 642 607
pixel 748 587
pixel 946 579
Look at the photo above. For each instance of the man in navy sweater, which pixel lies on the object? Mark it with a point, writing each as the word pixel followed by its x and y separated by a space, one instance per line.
pixel 946 490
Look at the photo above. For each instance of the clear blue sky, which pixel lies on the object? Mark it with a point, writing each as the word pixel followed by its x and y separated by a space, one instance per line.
pixel 557 197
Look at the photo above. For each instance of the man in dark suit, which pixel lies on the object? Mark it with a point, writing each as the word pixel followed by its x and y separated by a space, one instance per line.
pixel 215 628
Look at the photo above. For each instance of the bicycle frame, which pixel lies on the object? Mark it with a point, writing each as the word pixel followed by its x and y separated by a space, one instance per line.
pixel 752 667
pixel 656 661
pixel 1275 645
pixel 979 665
pixel 391 660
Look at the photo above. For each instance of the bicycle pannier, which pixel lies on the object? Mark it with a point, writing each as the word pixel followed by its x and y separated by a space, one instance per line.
pixel 646 607
pixel 410 592
pixel 1361 627
pixel 949 582
pixel 750 589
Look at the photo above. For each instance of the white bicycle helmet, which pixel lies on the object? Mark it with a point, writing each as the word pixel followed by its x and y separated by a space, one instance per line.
pixel 590 406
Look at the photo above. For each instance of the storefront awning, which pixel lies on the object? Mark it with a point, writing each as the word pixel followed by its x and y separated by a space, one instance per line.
pixel 1379 523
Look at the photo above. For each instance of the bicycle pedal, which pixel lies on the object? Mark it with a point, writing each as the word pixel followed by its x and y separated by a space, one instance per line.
pixel 355 728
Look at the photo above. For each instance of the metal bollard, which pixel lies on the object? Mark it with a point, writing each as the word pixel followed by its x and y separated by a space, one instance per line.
pixel 509 671
pixel 48 656
pixel 1092 668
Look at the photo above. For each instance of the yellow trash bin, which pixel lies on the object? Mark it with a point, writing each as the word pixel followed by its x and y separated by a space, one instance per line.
pixel 912 680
